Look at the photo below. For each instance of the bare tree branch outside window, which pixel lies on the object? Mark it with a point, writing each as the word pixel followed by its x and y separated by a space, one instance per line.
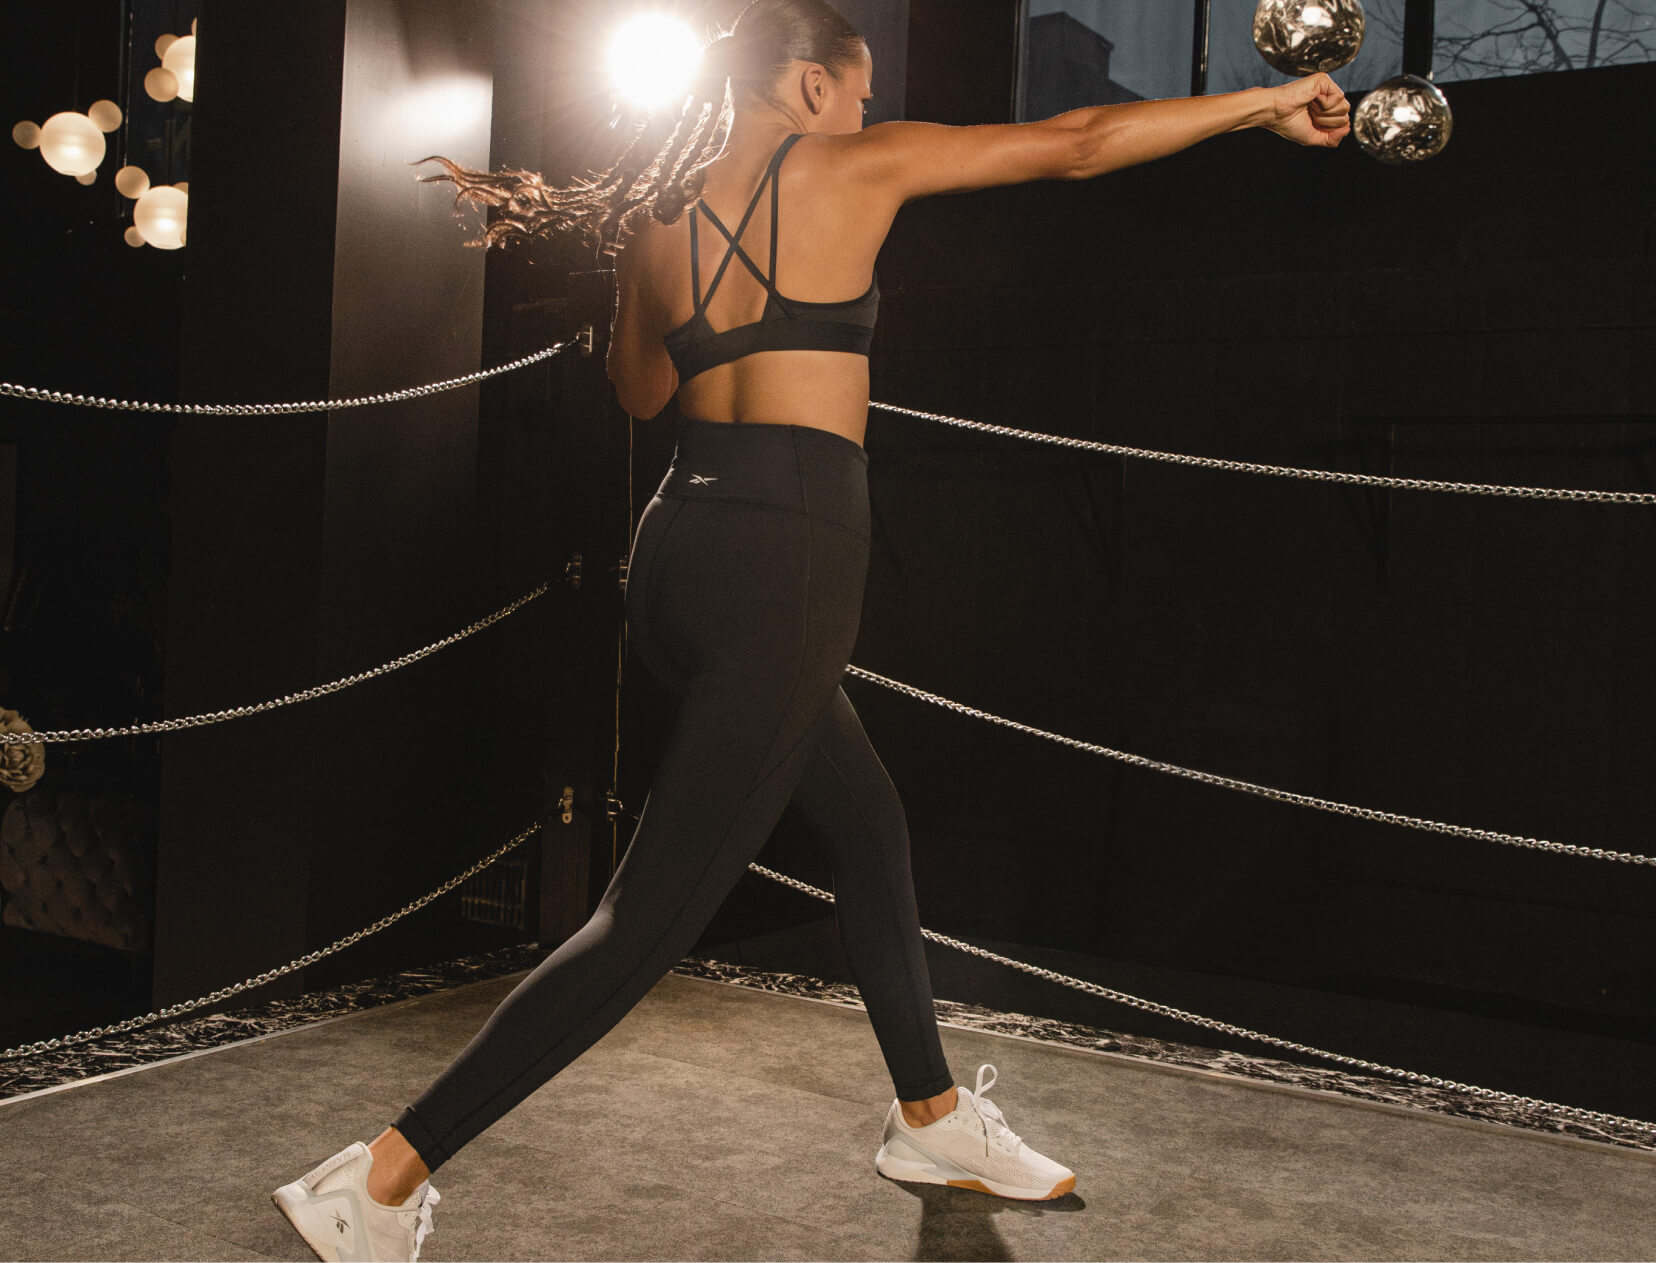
pixel 1478 39
pixel 1473 39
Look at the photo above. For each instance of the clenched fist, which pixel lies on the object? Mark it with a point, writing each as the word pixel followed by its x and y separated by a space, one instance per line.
pixel 1309 111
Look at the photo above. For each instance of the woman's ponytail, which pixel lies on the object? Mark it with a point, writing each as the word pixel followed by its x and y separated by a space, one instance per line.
pixel 660 172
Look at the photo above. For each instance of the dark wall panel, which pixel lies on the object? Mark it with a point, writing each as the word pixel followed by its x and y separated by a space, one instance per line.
pixel 404 562
pixel 237 814
pixel 961 60
pixel 309 547
pixel 1476 660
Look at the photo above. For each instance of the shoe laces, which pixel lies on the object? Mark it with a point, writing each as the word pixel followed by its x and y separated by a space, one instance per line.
pixel 994 1122
pixel 423 1228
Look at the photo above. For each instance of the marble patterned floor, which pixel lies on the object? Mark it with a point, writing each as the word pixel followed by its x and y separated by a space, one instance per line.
pixel 54 1068
pixel 149 1044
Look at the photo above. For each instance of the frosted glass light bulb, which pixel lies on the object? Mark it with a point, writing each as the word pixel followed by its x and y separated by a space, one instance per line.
pixel 27 134
pixel 71 144
pixel 163 43
pixel 131 181
pixel 180 59
pixel 161 84
pixel 133 237
pixel 160 215
pixel 105 115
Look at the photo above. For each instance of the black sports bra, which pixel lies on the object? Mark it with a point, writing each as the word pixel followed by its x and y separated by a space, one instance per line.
pixel 786 324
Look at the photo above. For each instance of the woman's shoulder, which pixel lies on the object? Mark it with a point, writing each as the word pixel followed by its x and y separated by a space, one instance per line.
pixel 859 165
pixel 831 165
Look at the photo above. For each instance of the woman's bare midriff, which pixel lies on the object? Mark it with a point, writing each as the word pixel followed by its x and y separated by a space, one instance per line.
pixel 827 390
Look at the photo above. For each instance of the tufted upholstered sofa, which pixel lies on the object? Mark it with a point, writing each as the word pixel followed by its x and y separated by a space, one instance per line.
pixel 79 863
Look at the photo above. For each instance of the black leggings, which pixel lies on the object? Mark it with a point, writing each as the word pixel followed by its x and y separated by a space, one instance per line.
pixel 744 592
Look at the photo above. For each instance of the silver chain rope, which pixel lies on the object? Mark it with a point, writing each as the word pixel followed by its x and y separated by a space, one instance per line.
pixel 1092 988
pixel 237 712
pixel 224 993
pixel 39 395
pixel 1286 471
pixel 1419 484
pixel 276 409
pixel 1165 1010
pixel 1264 791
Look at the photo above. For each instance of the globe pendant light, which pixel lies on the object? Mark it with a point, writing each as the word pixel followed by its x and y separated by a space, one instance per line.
pixel 1404 120
pixel 180 59
pixel 1301 37
pixel 71 143
pixel 161 215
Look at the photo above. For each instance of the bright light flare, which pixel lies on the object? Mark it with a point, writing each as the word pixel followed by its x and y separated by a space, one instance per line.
pixel 650 60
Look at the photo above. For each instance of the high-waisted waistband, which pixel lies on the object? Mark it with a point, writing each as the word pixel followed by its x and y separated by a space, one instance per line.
pixel 812 471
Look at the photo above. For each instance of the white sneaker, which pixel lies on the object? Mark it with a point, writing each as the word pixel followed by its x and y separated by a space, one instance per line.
pixel 970 1148
pixel 334 1214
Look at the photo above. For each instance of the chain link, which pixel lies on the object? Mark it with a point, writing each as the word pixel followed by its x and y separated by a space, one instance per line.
pixel 1287 471
pixel 1166 1010
pixel 237 712
pixel 309 958
pixel 1265 791
pixel 277 409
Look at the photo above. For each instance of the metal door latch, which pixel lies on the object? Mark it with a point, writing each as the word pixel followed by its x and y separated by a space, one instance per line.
pixel 568 804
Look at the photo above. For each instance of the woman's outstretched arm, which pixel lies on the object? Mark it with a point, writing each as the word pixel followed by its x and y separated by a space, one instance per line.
pixel 912 160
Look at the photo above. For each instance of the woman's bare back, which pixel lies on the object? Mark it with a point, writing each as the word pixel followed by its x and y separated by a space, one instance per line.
pixel 827 242
pixel 840 188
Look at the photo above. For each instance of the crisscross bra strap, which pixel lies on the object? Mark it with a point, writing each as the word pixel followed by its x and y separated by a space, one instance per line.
pixel 735 247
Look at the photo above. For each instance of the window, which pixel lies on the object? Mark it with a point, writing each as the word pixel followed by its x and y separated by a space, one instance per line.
pixel 1481 39
pixel 1097 52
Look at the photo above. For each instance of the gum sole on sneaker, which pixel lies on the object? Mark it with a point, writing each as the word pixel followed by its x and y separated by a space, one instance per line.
pixel 1058 1190
pixel 920 1168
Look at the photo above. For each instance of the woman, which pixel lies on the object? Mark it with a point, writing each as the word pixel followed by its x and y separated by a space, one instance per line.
pixel 747 568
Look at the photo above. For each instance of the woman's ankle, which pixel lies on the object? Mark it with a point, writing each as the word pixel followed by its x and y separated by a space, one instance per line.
pixel 922 1113
pixel 397 1168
